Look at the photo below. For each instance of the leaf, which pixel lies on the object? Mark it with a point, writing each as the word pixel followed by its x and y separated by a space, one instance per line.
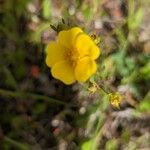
pixel 53 27
pixel 87 145
pixel 135 20
pixel 36 36
pixel 145 71
pixel 9 79
pixel 46 9
pixel 39 108
pixel 111 145
pixel 145 104
pixel 87 13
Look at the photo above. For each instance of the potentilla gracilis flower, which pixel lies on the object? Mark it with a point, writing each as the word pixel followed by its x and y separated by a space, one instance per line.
pixel 72 56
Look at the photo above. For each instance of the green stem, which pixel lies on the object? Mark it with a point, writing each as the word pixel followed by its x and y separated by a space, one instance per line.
pixel 16 144
pixel 98 133
pixel 102 88
pixel 10 78
pixel 29 95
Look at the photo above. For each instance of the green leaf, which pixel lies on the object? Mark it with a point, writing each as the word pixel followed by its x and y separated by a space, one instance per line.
pixel 87 145
pixel 39 108
pixel 36 36
pixel 145 71
pixel 16 144
pixel 136 19
pixel 111 145
pixel 145 104
pixel 46 9
pixel 9 79
pixel 87 13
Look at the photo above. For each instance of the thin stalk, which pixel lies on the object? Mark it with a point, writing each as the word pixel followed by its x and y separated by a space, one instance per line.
pixel 103 89
pixel 98 133
pixel 29 95
pixel 16 144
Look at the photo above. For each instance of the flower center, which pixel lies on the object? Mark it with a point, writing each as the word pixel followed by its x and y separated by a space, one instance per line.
pixel 72 56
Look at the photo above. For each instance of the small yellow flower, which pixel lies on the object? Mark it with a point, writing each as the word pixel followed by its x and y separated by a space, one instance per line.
pixel 72 57
pixel 115 99
pixel 92 89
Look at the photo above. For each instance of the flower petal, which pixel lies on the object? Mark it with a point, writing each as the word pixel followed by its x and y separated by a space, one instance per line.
pixel 86 46
pixel 94 52
pixel 85 68
pixel 67 37
pixel 55 53
pixel 64 72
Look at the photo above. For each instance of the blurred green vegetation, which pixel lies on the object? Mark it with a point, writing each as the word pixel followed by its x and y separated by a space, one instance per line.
pixel 38 112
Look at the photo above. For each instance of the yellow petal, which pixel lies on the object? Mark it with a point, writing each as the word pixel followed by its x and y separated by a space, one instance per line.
pixel 67 37
pixel 86 46
pixel 94 52
pixel 84 69
pixel 115 99
pixel 55 53
pixel 64 72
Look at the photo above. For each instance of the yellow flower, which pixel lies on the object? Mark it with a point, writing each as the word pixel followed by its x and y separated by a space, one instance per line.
pixel 115 99
pixel 72 57
pixel 92 89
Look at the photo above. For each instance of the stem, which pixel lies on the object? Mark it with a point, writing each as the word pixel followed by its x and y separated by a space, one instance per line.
pixel 16 144
pixel 98 133
pixel 29 95
pixel 11 80
pixel 102 88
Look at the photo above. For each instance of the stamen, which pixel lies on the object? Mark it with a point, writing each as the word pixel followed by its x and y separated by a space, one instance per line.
pixel 72 56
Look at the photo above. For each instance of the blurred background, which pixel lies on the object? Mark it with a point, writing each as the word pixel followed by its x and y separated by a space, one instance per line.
pixel 38 112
